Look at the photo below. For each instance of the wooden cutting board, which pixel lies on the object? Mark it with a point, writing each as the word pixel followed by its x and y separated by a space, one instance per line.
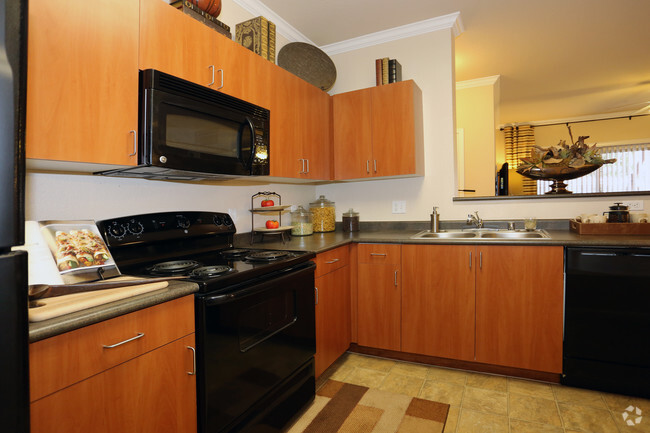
pixel 61 305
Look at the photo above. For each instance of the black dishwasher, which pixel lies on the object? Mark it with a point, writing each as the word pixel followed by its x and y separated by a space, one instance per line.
pixel 607 320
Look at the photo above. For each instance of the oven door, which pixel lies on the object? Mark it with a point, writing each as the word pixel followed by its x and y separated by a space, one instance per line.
pixel 185 134
pixel 253 343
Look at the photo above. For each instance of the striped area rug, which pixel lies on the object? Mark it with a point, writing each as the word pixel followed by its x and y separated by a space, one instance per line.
pixel 346 408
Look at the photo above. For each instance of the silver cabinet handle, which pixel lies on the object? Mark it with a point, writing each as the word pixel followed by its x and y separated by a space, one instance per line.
pixel 211 68
pixel 375 165
pixel 140 335
pixel 470 260
pixel 367 166
pixel 302 170
pixel 307 166
pixel 378 254
pixel 395 279
pixel 222 79
pixel 135 142
pixel 332 261
pixel 193 372
pixel 316 293
pixel 480 260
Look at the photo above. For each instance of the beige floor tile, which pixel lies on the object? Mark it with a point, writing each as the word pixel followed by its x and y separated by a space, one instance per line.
pixel 353 359
pixel 402 384
pixel 519 426
pixel 372 363
pixel 452 419
pixel 487 381
pixel 617 402
pixel 442 392
pixel 539 410
pixel 586 418
pixel 530 388
pixel 485 400
pixel 584 397
pixel 366 377
pixel 639 423
pixel 342 372
pixel 410 369
pixel 477 422
pixel 448 375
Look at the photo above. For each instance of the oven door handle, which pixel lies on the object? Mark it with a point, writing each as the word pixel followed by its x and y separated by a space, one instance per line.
pixel 262 340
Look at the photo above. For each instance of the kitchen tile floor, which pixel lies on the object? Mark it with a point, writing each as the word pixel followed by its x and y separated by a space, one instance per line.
pixel 496 404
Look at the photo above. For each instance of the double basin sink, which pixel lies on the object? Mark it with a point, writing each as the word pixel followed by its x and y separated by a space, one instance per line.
pixel 483 234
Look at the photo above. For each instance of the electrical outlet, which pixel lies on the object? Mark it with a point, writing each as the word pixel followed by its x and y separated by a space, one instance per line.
pixel 634 204
pixel 399 206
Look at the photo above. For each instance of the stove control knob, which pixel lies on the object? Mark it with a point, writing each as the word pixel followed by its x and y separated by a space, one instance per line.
pixel 183 222
pixel 227 220
pixel 217 220
pixel 116 230
pixel 134 227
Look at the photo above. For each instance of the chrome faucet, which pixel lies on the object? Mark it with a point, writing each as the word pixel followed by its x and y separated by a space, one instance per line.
pixel 475 219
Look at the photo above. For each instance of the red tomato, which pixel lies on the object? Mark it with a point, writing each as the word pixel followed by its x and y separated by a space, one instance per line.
pixel 272 224
pixel 267 203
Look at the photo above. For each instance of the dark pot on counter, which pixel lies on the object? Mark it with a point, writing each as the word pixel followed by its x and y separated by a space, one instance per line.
pixel 618 214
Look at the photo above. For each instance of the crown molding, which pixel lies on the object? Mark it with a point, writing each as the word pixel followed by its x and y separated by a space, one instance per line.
pixel 478 82
pixel 256 8
pixel 450 21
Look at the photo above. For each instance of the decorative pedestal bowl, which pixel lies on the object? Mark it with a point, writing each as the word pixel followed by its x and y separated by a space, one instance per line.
pixel 557 173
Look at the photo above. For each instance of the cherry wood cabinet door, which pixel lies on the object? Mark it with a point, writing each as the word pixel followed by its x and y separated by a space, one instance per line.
pixel 379 296
pixel 438 300
pixel 332 317
pixel 286 126
pixel 352 135
pixel 519 306
pixel 316 141
pixel 396 126
pixel 149 394
pixel 82 82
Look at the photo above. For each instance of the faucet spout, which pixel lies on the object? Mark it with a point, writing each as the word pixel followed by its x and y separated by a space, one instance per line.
pixel 475 220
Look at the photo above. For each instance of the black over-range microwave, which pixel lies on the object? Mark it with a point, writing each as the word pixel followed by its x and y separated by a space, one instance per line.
pixel 191 132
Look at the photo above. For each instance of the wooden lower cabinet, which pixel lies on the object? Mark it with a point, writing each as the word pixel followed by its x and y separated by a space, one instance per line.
pixel 151 393
pixel 519 306
pixel 438 301
pixel 332 317
pixel 379 296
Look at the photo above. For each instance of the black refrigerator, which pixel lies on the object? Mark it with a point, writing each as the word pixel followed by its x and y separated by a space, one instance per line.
pixel 14 365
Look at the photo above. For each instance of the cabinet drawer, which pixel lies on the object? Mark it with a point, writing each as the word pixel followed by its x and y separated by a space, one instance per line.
pixel 62 360
pixel 380 253
pixel 332 260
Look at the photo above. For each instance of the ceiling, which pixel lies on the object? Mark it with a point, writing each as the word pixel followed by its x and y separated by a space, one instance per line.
pixel 557 59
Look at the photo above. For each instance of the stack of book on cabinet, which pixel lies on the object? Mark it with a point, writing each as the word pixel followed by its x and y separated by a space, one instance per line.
pixel 388 71
pixel 257 35
pixel 193 10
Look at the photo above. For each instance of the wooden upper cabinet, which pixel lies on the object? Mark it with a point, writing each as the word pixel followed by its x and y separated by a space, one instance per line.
pixel 519 307
pixel 300 128
pixel 82 82
pixel 397 142
pixel 378 132
pixel 352 135
pixel 438 300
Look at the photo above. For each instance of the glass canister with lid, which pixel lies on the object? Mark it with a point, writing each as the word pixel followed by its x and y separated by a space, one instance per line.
pixel 323 214
pixel 301 222
pixel 351 221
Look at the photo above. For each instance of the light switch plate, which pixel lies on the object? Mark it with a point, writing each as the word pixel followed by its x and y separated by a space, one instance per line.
pixel 399 206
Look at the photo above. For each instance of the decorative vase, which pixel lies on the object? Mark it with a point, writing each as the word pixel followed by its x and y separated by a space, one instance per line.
pixel 557 173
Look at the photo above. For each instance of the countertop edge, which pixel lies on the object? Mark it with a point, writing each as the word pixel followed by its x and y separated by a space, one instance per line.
pixel 69 322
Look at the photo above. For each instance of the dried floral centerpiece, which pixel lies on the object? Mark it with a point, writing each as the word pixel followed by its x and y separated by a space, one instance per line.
pixel 562 162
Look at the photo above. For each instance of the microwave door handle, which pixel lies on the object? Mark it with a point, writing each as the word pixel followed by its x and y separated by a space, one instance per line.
pixel 249 163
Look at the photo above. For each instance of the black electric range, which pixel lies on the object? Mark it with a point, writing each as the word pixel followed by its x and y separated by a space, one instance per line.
pixel 254 314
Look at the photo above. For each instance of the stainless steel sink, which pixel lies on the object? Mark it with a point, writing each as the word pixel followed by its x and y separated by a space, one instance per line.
pixel 444 235
pixel 510 234
pixel 483 234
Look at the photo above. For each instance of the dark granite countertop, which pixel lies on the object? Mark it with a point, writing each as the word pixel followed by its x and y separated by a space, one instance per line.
pixel 401 232
pixel 59 325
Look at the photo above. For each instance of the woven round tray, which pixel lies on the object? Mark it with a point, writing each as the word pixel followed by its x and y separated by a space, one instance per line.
pixel 309 63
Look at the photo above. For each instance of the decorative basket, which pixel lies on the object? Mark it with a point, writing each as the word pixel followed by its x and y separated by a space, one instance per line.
pixel 557 173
